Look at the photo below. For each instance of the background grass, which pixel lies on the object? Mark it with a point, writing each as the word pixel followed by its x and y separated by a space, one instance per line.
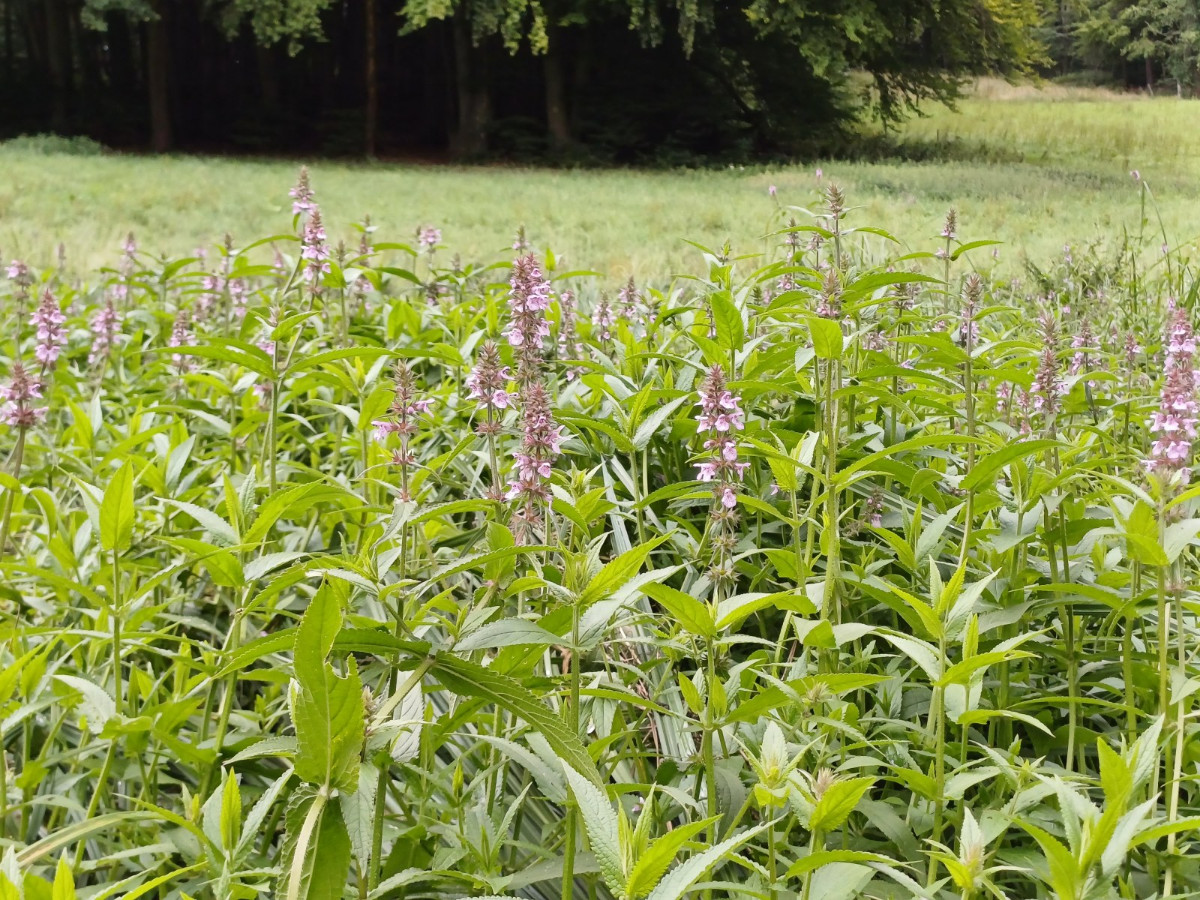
pixel 1033 168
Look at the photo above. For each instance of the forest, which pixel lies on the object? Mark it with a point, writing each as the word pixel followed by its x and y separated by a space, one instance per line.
pixel 619 81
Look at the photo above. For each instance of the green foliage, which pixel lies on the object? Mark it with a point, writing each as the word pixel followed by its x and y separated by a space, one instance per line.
pixel 832 571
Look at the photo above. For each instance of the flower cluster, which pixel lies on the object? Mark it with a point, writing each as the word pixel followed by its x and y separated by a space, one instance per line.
pixel 105 324
pixel 314 251
pixel 604 319
pixel 569 344
pixel 181 336
pixel 48 318
pixel 968 329
pixel 541 440
pixel 1174 424
pixel 720 417
pixel 17 410
pixel 237 296
pixel 401 421
pixel 829 301
pixel 629 300
pixel 1048 387
pixel 528 300
pixel 488 383
pixel 520 243
pixel 303 200
pixel 428 238
pixel 1081 362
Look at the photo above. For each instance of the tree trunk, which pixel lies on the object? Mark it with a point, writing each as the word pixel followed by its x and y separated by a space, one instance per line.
pixel 372 75
pixel 558 125
pixel 474 101
pixel 58 63
pixel 268 77
pixel 157 75
pixel 1150 76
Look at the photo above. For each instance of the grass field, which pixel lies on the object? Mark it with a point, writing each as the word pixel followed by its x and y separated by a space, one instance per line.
pixel 1033 168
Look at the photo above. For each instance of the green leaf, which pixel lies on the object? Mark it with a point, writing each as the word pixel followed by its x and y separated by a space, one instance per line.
pixel 117 511
pixel 651 865
pixel 692 614
pixel 1141 536
pixel 316 853
pixel 209 520
pixel 64 881
pixel 358 813
pixel 986 468
pixel 327 710
pixel 603 827
pixel 727 320
pixel 617 572
pixel 683 876
pixel 653 422
pixel 828 340
pixel 231 811
pixel 836 804
pixel 1065 877
pixel 824 857
pixel 511 632
pixel 470 680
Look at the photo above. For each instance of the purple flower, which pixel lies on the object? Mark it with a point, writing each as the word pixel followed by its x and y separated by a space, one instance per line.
pixel 429 237
pixel 106 324
pixel 237 296
pixel 520 244
pixel 17 410
pixel 487 383
pixel 541 440
pixel 1174 424
pixel 875 341
pixel 181 336
pixel 1048 387
pixel 303 201
pixel 950 229
pixel 315 251
pixel 19 272
pixel 968 330
pixel 528 300
pixel 829 301
pixel 402 421
pixel 569 344
pixel 720 416
pixel 772 191
pixel 603 318
pixel 48 318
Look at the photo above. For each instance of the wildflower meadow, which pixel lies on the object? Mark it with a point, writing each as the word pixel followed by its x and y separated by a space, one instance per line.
pixel 336 565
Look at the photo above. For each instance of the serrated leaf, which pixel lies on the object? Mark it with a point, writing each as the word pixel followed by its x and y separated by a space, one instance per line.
pixel 620 570
pixel 683 876
pixel 511 632
pixel 327 710
pixel 470 680
pixel 316 852
pixel 650 866
pixel 603 827
pixel 836 804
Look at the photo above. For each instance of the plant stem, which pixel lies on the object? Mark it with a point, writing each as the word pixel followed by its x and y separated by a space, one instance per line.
pixel 116 630
pixel 10 495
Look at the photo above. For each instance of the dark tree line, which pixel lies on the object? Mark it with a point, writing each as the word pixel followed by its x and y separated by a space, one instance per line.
pixel 625 80
pixel 1153 44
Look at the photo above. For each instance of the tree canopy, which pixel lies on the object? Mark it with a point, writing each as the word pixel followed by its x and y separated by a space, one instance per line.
pixel 626 80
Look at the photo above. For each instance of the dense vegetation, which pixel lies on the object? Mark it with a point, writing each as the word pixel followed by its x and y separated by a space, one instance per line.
pixel 660 80
pixel 357 569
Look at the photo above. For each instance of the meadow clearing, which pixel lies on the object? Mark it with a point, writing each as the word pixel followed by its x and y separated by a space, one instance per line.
pixel 1034 169
pixel 420 562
